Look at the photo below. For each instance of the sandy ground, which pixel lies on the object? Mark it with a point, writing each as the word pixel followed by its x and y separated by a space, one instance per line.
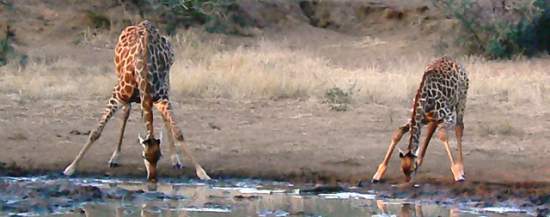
pixel 287 139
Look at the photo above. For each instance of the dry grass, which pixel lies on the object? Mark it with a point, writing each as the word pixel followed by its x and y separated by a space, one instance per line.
pixel 268 69
pixel 274 70
pixel 60 78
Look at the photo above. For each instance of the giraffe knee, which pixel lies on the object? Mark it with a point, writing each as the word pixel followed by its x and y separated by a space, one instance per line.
pixel 94 135
pixel 442 134
pixel 178 136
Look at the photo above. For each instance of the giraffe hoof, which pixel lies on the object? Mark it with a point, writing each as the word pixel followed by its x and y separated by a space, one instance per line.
pixel 458 172
pixel 374 181
pixel 69 171
pixel 202 174
pixel 364 183
pixel 113 164
pixel 177 166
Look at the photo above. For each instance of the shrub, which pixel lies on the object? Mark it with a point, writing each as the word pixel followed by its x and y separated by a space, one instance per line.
pixel 220 16
pixel 6 50
pixel 98 20
pixel 517 30
pixel 338 99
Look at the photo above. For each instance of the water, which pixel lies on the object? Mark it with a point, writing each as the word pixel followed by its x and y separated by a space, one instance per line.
pixel 228 198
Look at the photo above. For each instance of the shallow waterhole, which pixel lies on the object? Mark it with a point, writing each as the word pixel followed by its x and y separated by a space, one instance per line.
pixel 55 196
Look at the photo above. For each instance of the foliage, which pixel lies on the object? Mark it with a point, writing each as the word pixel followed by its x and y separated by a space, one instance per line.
pixel 339 99
pixel 520 30
pixel 219 16
pixel 98 20
pixel 5 49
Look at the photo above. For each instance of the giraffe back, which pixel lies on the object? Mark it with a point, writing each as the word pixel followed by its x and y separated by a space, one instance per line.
pixel 142 46
pixel 443 90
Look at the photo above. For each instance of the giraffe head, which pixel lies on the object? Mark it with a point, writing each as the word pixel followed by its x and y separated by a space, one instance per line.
pixel 151 155
pixel 408 164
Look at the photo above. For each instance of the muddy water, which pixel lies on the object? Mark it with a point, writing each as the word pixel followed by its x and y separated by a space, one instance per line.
pixel 47 196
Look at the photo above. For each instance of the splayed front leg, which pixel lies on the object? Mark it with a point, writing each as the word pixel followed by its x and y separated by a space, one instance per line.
pixel 458 172
pixel 432 126
pixel 201 173
pixel 114 160
pixel 384 165
pixel 112 107
pixel 459 129
pixel 174 154
pixel 380 172
pixel 164 108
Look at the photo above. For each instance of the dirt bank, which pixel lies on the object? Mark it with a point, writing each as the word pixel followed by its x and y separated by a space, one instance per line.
pixel 286 139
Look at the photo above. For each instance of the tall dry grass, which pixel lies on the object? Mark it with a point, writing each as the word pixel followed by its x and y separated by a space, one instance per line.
pixel 57 78
pixel 274 70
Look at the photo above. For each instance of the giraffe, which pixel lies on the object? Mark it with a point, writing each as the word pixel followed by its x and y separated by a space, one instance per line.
pixel 142 59
pixel 440 101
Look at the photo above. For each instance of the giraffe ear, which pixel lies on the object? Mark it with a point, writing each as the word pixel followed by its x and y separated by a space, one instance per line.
pixel 141 140
pixel 401 153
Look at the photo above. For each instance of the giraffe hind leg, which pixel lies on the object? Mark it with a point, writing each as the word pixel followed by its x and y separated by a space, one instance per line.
pixel 114 160
pixel 111 108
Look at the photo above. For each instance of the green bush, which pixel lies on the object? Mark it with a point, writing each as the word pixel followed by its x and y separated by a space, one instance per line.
pixel 338 99
pixel 521 30
pixel 5 48
pixel 220 16
pixel 98 20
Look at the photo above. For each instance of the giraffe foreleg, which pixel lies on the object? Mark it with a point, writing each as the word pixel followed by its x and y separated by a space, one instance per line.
pixel 395 140
pixel 113 162
pixel 459 129
pixel 112 107
pixel 174 154
pixel 164 108
pixel 422 151
pixel 456 169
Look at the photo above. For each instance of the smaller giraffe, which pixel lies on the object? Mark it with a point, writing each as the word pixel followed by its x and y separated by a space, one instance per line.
pixel 143 59
pixel 440 101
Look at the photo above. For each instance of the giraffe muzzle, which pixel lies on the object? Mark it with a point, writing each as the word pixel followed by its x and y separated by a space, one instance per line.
pixel 408 165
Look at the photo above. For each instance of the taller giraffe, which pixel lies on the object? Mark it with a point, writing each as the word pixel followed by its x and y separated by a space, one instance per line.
pixel 440 101
pixel 143 59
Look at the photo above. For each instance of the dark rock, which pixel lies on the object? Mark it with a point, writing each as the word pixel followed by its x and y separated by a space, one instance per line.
pixel 322 190
pixel 243 197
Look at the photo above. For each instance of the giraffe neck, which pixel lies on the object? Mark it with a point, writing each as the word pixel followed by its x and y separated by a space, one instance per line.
pixel 414 137
pixel 144 86
pixel 416 118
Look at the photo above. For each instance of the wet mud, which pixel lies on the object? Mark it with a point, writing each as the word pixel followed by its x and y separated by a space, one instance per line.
pixel 93 196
